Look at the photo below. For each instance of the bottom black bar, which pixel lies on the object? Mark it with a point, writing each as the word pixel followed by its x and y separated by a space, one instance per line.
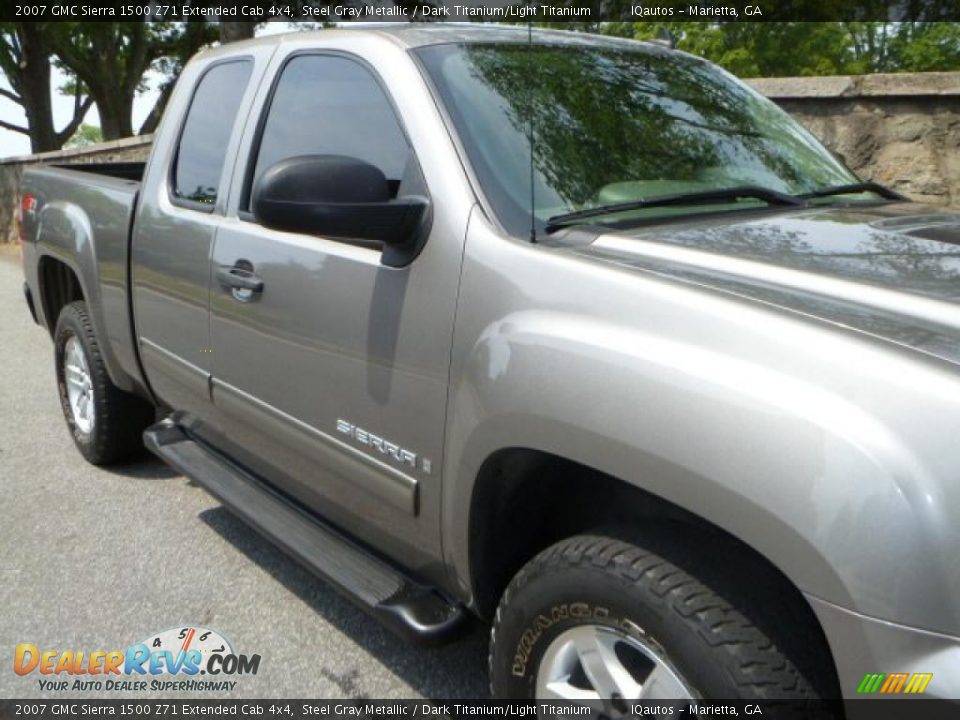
pixel 887 709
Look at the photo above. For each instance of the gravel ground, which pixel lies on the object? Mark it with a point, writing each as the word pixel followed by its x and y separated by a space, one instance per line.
pixel 100 559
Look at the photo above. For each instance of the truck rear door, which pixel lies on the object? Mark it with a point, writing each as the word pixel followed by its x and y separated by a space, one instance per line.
pixel 182 204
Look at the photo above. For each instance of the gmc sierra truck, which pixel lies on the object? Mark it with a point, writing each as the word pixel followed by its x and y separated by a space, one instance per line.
pixel 579 335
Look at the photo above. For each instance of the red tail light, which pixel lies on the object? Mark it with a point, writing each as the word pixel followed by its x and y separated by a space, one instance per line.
pixel 28 204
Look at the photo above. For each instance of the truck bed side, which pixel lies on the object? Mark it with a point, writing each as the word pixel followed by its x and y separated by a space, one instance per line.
pixel 80 224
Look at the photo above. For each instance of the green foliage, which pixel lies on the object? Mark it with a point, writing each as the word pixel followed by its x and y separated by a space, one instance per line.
pixel 84 136
pixel 935 47
pixel 781 49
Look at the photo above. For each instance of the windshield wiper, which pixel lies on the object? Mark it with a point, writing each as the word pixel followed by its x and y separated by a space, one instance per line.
pixel 854 188
pixel 702 197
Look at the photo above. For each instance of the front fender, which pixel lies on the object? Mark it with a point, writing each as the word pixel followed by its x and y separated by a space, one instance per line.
pixel 830 492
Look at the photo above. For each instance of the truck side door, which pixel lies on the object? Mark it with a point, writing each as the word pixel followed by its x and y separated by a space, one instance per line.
pixel 182 202
pixel 331 382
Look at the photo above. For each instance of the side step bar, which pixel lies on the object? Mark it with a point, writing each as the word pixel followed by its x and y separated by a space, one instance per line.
pixel 413 610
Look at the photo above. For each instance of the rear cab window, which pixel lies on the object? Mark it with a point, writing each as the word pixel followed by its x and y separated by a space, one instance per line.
pixel 206 132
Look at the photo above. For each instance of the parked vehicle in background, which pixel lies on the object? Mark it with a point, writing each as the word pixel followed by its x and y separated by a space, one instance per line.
pixel 575 334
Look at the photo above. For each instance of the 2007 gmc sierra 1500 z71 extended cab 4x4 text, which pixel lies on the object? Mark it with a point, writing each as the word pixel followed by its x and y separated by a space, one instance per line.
pixel 577 334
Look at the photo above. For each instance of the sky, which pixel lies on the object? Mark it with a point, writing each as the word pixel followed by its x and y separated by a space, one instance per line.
pixel 12 143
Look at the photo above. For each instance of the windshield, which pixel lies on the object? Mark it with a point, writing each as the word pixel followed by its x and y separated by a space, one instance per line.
pixel 615 124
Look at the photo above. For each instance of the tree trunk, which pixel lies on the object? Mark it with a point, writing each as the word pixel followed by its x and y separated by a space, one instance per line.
pixel 152 120
pixel 35 89
pixel 115 109
pixel 233 31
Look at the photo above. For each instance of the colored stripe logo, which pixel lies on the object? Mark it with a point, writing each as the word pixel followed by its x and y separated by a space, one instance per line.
pixel 894 683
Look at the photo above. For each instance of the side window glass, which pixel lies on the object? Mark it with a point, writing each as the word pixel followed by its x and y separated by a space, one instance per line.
pixel 207 129
pixel 329 105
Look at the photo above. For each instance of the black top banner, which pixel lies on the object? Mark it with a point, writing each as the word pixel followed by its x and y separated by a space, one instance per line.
pixel 335 11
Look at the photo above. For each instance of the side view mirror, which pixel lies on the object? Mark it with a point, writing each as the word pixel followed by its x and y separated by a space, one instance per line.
pixel 336 196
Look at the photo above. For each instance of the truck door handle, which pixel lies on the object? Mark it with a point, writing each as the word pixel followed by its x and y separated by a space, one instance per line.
pixel 240 276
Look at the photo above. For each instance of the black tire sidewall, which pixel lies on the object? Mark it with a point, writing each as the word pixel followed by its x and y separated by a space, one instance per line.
pixel 119 417
pixel 116 422
pixel 69 326
pixel 554 601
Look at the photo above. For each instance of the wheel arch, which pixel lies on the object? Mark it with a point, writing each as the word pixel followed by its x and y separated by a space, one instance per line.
pixel 512 519
pixel 60 282
pixel 60 285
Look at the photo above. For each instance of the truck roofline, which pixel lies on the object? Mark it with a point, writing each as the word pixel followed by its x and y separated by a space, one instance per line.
pixel 411 36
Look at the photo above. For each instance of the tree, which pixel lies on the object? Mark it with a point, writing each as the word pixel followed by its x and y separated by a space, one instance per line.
pixel 25 61
pixel 906 46
pixel 779 49
pixel 111 59
pixel 771 49
pixel 180 47
pixel 233 31
pixel 936 47
pixel 107 64
pixel 84 136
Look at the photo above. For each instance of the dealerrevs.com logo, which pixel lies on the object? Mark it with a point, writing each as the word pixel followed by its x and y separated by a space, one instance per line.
pixel 167 661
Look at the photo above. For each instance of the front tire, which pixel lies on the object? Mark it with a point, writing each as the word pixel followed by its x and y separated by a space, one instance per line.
pixel 599 619
pixel 105 422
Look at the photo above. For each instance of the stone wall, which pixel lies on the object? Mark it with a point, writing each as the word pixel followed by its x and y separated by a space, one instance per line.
pixel 901 130
pixel 11 169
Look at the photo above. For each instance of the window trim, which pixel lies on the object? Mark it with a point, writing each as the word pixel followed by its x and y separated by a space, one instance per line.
pixel 485 205
pixel 246 189
pixel 182 202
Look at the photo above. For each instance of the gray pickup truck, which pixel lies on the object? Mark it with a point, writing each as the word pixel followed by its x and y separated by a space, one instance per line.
pixel 578 335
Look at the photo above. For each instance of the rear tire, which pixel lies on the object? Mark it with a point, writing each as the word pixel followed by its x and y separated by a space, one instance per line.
pixel 656 631
pixel 105 422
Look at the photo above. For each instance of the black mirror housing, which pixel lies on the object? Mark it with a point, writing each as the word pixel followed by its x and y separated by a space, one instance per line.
pixel 340 197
